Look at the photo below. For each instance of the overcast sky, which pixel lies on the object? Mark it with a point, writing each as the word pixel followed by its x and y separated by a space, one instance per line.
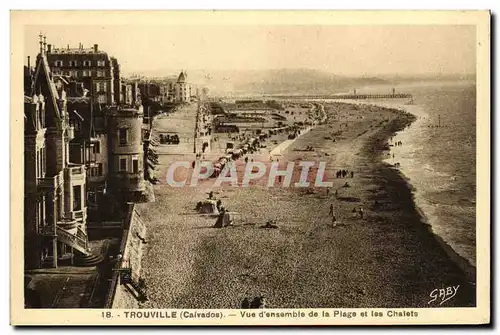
pixel 348 50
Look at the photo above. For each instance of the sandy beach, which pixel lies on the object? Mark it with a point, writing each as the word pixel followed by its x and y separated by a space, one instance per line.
pixel 389 258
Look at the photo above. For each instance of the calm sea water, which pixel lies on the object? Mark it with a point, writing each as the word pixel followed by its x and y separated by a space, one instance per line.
pixel 441 161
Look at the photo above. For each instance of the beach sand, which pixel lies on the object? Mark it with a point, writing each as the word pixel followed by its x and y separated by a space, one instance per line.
pixel 389 258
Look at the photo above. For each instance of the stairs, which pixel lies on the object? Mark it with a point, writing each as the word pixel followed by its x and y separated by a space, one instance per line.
pixel 77 242
pixel 87 260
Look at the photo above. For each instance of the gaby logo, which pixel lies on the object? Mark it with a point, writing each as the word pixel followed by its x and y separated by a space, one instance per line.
pixel 443 294
pixel 301 174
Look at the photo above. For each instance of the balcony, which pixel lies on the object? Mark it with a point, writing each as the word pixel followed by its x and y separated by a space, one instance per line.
pixel 68 224
pixel 76 169
pixel 130 181
pixel 80 215
pixel 51 183
pixel 75 173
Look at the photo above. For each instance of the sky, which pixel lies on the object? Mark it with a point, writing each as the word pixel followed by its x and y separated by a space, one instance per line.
pixel 344 50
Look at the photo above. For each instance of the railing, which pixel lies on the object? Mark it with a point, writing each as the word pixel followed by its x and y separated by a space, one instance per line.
pixel 51 182
pixel 77 170
pixel 78 215
pixel 67 224
pixel 47 230
pixel 74 241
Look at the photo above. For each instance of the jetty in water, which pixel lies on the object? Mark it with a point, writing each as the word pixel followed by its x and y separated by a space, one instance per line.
pixel 347 96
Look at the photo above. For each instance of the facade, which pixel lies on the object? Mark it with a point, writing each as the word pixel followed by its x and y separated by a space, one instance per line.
pixel 126 159
pixel 182 89
pixel 83 152
pixel 90 65
pixel 55 211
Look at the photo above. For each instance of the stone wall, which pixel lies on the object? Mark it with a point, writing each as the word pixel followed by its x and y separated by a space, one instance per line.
pixel 132 248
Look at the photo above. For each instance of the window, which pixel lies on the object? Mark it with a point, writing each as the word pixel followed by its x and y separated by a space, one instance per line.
pixel 99 169
pixel 135 165
pixel 86 63
pixel 100 73
pixel 72 63
pixel 77 198
pixel 122 136
pixel 101 99
pixel 104 87
pixel 86 73
pixel 73 73
pixel 58 63
pixel 123 164
pixel 100 63
pixel 97 148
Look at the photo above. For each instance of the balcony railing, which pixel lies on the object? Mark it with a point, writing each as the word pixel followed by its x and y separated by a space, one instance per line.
pixel 51 182
pixel 79 215
pixel 77 170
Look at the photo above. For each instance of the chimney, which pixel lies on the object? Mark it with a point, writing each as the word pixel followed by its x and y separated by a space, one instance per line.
pixel 68 46
pixel 95 48
pixel 29 65
pixel 49 48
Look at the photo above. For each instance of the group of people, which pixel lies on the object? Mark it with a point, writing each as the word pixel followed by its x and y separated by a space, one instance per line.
pixel 398 143
pixel 257 302
pixel 169 139
pixel 345 174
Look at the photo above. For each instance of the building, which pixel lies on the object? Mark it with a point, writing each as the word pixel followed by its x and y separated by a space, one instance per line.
pixel 182 89
pixel 83 152
pixel 93 111
pixel 90 65
pixel 55 213
pixel 126 159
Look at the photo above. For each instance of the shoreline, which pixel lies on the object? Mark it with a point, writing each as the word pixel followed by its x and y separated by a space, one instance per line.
pixel 466 266
pixel 462 263
pixel 388 259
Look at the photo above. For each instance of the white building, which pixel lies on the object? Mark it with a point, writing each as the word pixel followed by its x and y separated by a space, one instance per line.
pixel 182 89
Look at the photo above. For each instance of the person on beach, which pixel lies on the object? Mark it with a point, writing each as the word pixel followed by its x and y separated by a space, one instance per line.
pixel 331 210
pixel 352 174
pixel 245 304
pixel 334 221
pixel 361 212
pixel 327 192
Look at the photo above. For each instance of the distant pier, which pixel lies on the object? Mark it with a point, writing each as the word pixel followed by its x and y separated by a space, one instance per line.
pixel 346 96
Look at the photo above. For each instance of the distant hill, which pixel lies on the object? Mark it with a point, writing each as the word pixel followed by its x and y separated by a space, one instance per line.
pixel 279 81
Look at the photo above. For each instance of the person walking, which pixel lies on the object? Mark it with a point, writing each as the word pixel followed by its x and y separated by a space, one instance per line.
pixel 331 210
pixel 361 212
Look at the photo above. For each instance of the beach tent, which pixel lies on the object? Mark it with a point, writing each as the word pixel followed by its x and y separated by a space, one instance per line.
pixel 207 207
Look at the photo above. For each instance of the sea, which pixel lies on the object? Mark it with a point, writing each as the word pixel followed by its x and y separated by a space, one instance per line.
pixel 438 156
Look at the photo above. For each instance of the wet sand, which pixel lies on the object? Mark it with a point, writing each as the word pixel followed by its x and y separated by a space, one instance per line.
pixel 388 258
